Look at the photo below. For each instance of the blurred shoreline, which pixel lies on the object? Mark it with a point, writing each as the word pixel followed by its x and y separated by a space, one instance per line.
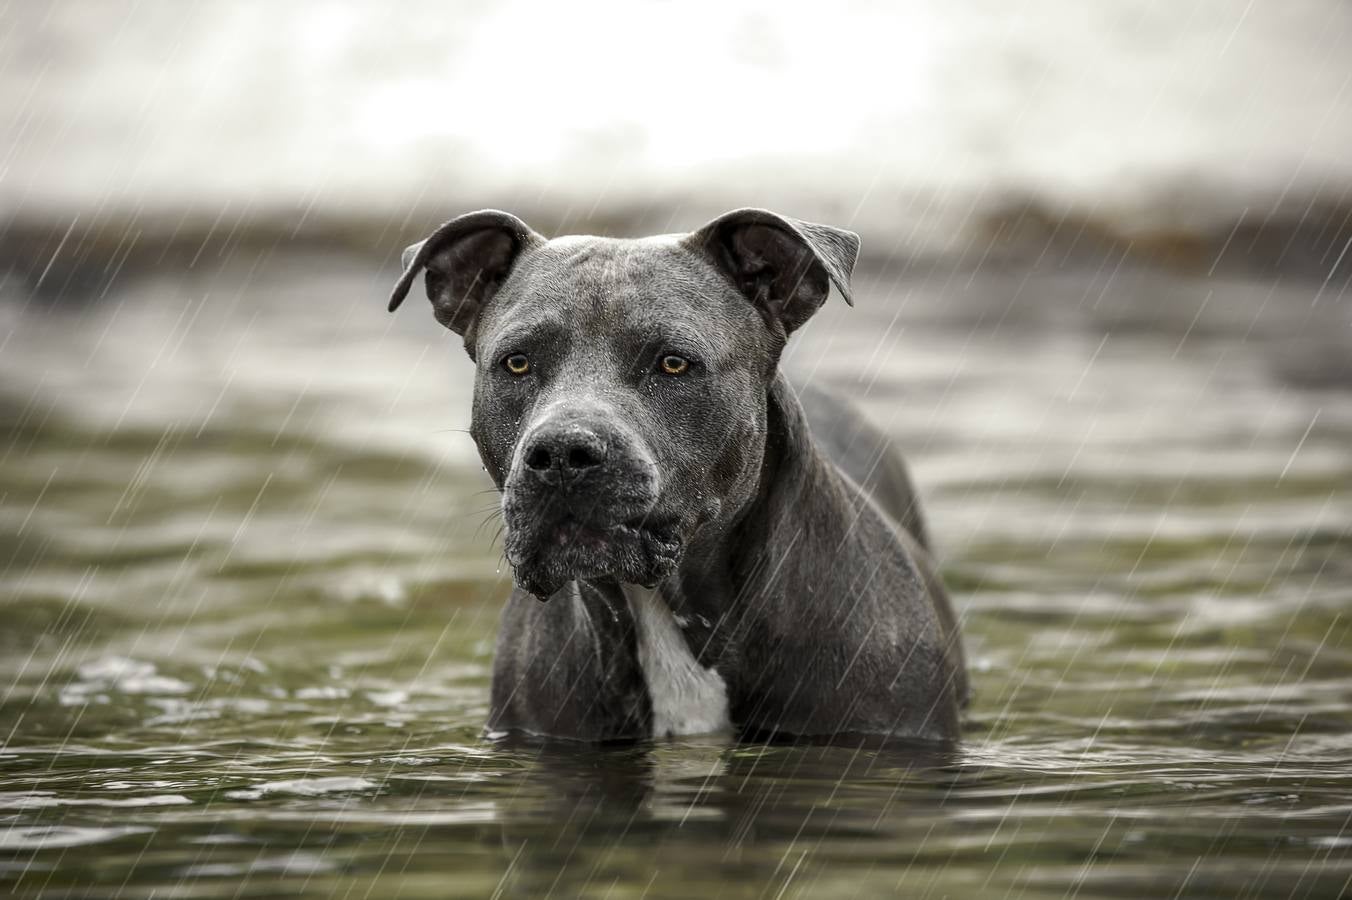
pixel 80 257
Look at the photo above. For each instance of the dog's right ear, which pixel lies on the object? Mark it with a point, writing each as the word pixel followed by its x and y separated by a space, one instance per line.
pixel 467 259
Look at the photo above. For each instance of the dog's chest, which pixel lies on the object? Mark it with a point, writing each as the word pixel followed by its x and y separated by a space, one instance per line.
pixel 686 697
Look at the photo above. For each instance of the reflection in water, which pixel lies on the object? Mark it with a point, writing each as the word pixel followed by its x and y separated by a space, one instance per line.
pixel 711 812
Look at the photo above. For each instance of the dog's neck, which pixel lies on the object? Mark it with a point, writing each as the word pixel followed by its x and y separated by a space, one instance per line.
pixel 684 636
pixel 722 564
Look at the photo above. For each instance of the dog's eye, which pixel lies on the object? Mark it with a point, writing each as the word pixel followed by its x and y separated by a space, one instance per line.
pixel 517 364
pixel 672 364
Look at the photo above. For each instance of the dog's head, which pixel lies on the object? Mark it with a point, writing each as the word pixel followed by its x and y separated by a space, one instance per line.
pixel 621 386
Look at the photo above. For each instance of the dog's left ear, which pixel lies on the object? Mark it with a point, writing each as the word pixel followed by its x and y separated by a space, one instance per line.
pixel 784 266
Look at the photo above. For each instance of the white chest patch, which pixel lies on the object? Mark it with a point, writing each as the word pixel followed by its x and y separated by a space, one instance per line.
pixel 686 697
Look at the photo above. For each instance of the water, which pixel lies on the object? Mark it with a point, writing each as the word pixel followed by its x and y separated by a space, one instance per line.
pixel 249 587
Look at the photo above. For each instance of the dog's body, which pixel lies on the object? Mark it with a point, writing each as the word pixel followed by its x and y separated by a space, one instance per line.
pixel 718 554
pixel 820 616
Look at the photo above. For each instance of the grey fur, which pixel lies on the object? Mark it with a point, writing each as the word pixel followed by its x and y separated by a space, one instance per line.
pixel 782 531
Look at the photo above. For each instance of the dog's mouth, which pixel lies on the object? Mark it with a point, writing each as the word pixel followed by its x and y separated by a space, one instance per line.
pixel 571 531
pixel 547 555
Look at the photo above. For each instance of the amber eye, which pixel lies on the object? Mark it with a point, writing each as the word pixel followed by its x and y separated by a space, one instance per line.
pixel 675 365
pixel 517 364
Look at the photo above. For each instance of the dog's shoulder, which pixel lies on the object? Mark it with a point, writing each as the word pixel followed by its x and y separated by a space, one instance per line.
pixel 865 454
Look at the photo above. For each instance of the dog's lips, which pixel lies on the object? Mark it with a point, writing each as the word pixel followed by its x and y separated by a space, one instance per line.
pixel 638 550
pixel 576 533
pixel 572 532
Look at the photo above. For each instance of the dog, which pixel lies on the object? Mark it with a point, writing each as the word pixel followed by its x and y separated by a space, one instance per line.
pixel 697 548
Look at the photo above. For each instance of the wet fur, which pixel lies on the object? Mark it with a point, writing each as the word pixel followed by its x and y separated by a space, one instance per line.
pixel 826 618
pixel 780 531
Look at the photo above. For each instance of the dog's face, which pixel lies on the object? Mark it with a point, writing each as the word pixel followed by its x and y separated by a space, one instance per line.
pixel 614 403
pixel 621 385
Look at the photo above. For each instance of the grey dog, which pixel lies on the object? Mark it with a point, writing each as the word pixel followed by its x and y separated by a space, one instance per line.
pixel 718 553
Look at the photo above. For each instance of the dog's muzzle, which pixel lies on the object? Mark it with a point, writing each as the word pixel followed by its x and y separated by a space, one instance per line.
pixel 580 504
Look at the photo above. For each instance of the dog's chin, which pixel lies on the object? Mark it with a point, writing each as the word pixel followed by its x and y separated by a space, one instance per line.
pixel 546 557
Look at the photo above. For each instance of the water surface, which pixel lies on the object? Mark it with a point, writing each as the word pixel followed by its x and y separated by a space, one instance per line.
pixel 249 583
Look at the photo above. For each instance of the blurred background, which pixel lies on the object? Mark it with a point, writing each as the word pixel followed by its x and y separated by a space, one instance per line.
pixel 934 129
pixel 249 572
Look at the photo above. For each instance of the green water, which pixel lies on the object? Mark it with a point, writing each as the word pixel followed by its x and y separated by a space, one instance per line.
pixel 249 584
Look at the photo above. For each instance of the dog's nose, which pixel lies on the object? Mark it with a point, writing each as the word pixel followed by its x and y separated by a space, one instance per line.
pixel 564 454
